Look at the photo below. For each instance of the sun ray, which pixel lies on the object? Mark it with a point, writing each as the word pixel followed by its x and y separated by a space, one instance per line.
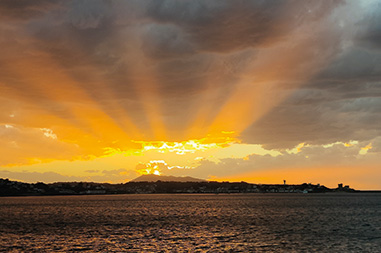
pixel 145 81
pixel 206 108
pixel 57 88
pixel 266 82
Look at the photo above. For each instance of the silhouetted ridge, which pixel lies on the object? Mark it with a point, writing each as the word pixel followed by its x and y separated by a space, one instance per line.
pixel 159 184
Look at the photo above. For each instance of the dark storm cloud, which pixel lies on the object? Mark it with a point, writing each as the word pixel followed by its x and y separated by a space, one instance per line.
pixel 341 103
pixel 327 110
pixel 223 26
pixel 166 41
pixel 317 122
pixel 356 66
pixel 85 36
pixel 370 36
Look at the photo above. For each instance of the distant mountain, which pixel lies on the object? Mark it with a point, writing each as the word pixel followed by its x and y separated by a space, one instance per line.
pixel 154 178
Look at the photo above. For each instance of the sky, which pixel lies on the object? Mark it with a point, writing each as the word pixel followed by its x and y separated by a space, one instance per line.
pixel 255 91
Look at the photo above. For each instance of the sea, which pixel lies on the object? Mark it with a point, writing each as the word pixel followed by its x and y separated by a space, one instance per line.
pixel 330 222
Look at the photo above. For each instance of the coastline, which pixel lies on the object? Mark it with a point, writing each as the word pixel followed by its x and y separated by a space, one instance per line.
pixel 15 188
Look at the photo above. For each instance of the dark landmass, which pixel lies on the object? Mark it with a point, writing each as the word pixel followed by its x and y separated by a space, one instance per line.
pixel 14 188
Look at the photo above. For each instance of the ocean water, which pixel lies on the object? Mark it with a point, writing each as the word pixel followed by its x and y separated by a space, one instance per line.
pixel 192 223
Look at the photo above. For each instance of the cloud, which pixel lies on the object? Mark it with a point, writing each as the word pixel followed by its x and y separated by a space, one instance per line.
pixel 369 37
pixel 317 119
pixel 165 41
pixel 355 66
pixel 89 14
pixel 341 103
pixel 25 10
pixel 159 167
pixel 376 145
pixel 223 26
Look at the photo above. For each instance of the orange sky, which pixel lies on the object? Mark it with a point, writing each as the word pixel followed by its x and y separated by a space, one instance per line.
pixel 258 92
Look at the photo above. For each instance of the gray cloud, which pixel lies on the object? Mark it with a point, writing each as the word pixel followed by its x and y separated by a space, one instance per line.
pixel 222 26
pixel 166 41
pixel 340 103
pixel 357 65
pixel 319 117
pixel 376 145
pixel 370 36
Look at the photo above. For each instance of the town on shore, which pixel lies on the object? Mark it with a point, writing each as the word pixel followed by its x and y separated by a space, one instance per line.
pixel 15 188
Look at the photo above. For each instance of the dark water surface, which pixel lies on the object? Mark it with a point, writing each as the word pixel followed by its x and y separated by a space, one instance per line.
pixel 177 223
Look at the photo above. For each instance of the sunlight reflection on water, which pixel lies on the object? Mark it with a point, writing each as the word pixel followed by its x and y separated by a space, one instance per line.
pixel 247 222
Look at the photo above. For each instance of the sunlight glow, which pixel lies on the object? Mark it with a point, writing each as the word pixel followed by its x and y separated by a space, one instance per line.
pixel 297 149
pixel 180 148
pixel 49 133
pixel 365 149
pixel 156 167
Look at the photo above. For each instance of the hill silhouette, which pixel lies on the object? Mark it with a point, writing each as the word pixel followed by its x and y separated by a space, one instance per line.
pixel 155 178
